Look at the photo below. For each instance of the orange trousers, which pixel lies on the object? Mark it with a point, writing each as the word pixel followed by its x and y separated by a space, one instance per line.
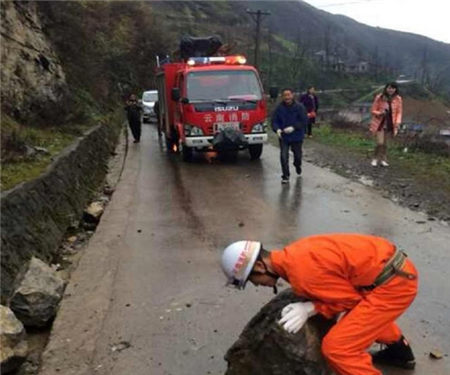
pixel 372 320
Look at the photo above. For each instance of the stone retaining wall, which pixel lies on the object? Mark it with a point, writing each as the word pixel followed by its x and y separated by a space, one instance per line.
pixel 36 214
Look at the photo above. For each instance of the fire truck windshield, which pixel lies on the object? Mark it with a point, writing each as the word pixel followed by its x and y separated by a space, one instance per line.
pixel 223 85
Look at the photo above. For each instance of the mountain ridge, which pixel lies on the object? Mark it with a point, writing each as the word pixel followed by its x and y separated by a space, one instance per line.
pixel 403 53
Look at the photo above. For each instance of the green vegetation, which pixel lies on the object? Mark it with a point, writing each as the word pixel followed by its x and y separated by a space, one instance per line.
pixel 418 163
pixel 20 160
pixel 421 166
pixel 22 166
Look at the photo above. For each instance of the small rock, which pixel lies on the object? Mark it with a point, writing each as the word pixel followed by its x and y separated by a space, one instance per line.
pixel 121 346
pixel 93 212
pixel 104 199
pixel 139 230
pixel 12 338
pixel 64 275
pixel 31 364
pixel 90 227
pixel 36 300
pixel 188 305
pixel 30 152
pixel 435 354
pixel 41 150
pixel 241 224
pixel 74 224
pixel 72 239
pixel 420 222
pixel 108 190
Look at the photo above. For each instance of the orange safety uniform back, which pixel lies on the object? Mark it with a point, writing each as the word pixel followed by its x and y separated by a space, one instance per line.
pixel 329 268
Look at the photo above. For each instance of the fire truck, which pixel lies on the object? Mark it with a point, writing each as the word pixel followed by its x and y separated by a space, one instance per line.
pixel 211 103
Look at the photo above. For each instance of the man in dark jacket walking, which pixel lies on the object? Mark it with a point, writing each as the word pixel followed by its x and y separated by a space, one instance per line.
pixel 311 103
pixel 134 110
pixel 289 121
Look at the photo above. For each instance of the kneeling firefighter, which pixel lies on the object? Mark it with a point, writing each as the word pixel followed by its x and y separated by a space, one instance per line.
pixel 364 278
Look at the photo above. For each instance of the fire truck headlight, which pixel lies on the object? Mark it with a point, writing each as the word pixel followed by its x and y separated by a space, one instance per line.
pixel 258 128
pixel 196 131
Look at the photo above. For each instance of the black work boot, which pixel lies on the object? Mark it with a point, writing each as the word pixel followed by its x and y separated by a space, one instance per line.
pixel 398 354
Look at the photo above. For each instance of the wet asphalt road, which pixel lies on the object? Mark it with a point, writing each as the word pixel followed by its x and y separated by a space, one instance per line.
pixel 148 296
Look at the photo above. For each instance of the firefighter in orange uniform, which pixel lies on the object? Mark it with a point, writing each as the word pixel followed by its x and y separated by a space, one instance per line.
pixel 364 278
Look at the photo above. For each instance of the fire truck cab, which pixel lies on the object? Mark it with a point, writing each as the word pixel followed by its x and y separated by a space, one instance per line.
pixel 212 103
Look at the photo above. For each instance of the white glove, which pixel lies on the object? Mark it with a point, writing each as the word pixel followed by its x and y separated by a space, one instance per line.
pixel 295 315
pixel 289 129
pixel 279 132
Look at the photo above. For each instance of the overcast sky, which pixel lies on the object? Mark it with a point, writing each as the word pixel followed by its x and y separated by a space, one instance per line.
pixel 425 17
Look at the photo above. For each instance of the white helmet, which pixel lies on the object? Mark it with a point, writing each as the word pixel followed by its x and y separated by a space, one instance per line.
pixel 238 260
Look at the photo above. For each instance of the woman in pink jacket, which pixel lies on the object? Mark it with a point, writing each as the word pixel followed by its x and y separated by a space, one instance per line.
pixel 387 111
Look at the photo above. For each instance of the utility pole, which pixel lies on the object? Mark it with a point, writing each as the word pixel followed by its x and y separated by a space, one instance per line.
pixel 257 18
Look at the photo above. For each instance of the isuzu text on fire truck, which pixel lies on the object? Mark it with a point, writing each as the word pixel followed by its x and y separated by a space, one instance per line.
pixel 211 103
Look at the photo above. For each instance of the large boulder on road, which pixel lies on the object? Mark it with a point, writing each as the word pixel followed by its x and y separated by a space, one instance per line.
pixel 36 300
pixel 264 348
pixel 12 341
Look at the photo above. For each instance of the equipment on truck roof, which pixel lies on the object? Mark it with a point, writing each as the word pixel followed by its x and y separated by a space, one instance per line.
pixel 196 47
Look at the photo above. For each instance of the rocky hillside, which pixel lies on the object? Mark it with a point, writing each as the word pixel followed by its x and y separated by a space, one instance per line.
pixel 69 64
pixel 32 78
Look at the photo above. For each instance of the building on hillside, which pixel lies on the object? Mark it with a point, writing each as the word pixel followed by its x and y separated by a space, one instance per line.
pixel 358 67
pixel 333 62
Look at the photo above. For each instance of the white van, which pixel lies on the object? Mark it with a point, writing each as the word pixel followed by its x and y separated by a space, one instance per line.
pixel 148 102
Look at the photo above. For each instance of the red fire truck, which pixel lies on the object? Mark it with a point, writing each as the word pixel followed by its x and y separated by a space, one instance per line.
pixel 211 103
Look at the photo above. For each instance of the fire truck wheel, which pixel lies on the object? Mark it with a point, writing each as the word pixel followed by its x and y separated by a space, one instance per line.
pixel 187 152
pixel 255 151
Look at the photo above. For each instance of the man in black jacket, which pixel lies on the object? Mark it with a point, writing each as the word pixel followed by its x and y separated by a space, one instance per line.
pixel 134 110
pixel 289 121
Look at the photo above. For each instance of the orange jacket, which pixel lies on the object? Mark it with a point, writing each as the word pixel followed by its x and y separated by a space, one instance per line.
pixel 380 105
pixel 326 268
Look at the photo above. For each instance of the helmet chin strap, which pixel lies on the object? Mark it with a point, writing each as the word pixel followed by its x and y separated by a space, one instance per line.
pixel 272 275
